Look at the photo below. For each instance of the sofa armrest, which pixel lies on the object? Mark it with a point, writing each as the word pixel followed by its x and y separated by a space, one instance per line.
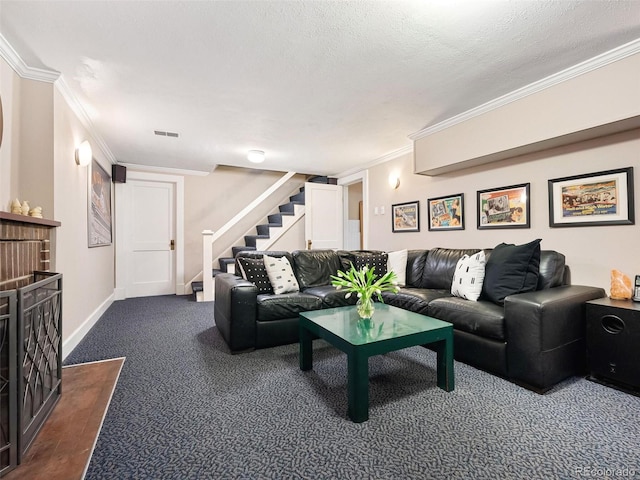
pixel 235 311
pixel 545 333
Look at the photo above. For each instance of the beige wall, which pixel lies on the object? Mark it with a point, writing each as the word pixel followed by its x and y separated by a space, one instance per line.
pixel 37 164
pixel 10 148
pixel 36 144
pixel 591 251
pixel 587 105
pixel 88 273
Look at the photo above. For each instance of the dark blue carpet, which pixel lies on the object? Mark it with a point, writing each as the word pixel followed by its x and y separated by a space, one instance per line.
pixel 184 408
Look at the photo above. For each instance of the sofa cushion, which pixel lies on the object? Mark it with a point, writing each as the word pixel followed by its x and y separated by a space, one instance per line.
pixel 397 263
pixel 331 297
pixel 415 267
pixel 286 305
pixel 469 277
pixel 315 267
pixel 440 265
pixel 253 269
pixel 482 318
pixel 552 266
pixel 511 269
pixel 414 299
pixel 280 275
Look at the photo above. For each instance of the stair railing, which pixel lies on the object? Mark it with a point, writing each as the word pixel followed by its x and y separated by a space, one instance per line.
pixel 209 237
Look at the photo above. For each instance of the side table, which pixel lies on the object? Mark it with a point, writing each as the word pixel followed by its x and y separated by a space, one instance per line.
pixel 613 338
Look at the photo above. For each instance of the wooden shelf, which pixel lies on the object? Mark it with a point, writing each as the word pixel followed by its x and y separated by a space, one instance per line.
pixel 14 217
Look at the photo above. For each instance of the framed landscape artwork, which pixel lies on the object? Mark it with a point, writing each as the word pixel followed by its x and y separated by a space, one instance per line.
pixel 601 198
pixel 99 221
pixel 504 207
pixel 406 217
pixel 446 213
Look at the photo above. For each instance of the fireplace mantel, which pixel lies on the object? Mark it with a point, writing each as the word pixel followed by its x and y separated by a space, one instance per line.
pixel 14 217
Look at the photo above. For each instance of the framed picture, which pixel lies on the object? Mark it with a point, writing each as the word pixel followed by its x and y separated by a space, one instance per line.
pixel 99 221
pixel 406 217
pixel 601 198
pixel 446 213
pixel 505 207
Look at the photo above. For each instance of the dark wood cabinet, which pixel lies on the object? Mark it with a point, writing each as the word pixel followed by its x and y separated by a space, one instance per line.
pixel 613 343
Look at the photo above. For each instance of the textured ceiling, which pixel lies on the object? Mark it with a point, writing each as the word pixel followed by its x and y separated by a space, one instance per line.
pixel 321 86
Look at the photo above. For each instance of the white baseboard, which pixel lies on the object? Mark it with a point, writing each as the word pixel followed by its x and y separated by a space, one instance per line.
pixel 74 339
pixel 120 294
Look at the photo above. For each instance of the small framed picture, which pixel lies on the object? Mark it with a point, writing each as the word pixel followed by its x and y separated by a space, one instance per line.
pixel 446 213
pixel 406 217
pixel 592 199
pixel 504 207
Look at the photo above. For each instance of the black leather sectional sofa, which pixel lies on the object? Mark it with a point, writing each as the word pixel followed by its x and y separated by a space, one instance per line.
pixel 535 339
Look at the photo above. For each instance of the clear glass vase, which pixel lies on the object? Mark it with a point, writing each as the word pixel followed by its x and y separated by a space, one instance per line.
pixel 365 307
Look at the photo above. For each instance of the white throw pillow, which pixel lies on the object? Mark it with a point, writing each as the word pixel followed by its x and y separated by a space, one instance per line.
pixel 280 274
pixel 397 262
pixel 469 276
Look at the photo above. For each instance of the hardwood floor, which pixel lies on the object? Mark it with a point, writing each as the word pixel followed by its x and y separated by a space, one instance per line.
pixel 63 447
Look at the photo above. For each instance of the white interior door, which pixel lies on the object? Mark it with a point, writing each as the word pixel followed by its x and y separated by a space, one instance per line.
pixel 323 215
pixel 151 245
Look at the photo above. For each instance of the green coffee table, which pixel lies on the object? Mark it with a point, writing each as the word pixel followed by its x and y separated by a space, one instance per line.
pixel 390 329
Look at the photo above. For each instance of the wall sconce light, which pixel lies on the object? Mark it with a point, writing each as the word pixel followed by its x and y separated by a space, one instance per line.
pixel 255 156
pixel 84 154
pixel 394 181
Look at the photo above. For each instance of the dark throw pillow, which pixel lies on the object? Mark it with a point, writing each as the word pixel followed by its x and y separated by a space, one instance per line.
pixel 371 260
pixel 511 269
pixel 253 269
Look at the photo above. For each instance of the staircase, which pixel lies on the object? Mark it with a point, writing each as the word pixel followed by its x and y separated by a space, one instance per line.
pixel 266 235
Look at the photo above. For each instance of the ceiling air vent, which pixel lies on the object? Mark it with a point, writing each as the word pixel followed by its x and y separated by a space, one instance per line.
pixel 166 134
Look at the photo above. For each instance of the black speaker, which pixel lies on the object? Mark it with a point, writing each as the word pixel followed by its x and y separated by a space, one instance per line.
pixel 119 173
pixel 613 340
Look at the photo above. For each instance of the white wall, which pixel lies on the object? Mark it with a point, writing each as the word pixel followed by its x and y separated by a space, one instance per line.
pixel 591 252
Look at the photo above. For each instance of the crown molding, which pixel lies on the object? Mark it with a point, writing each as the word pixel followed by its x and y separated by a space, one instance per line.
pixel 587 66
pixel 82 115
pixel 50 76
pixel 15 61
pixel 385 158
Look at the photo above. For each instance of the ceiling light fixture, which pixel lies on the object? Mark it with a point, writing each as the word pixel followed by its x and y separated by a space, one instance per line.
pixel 84 154
pixel 255 156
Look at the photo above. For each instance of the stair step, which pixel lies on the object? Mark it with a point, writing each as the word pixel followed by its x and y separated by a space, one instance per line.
pixel 236 250
pixel 297 198
pixel 275 219
pixel 287 208
pixel 264 229
pixel 323 179
pixel 225 262
pixel 250 240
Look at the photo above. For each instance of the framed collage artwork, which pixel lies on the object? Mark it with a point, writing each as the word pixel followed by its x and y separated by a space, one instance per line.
pixel 601 198
pixel 446 213
pixel 504 207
